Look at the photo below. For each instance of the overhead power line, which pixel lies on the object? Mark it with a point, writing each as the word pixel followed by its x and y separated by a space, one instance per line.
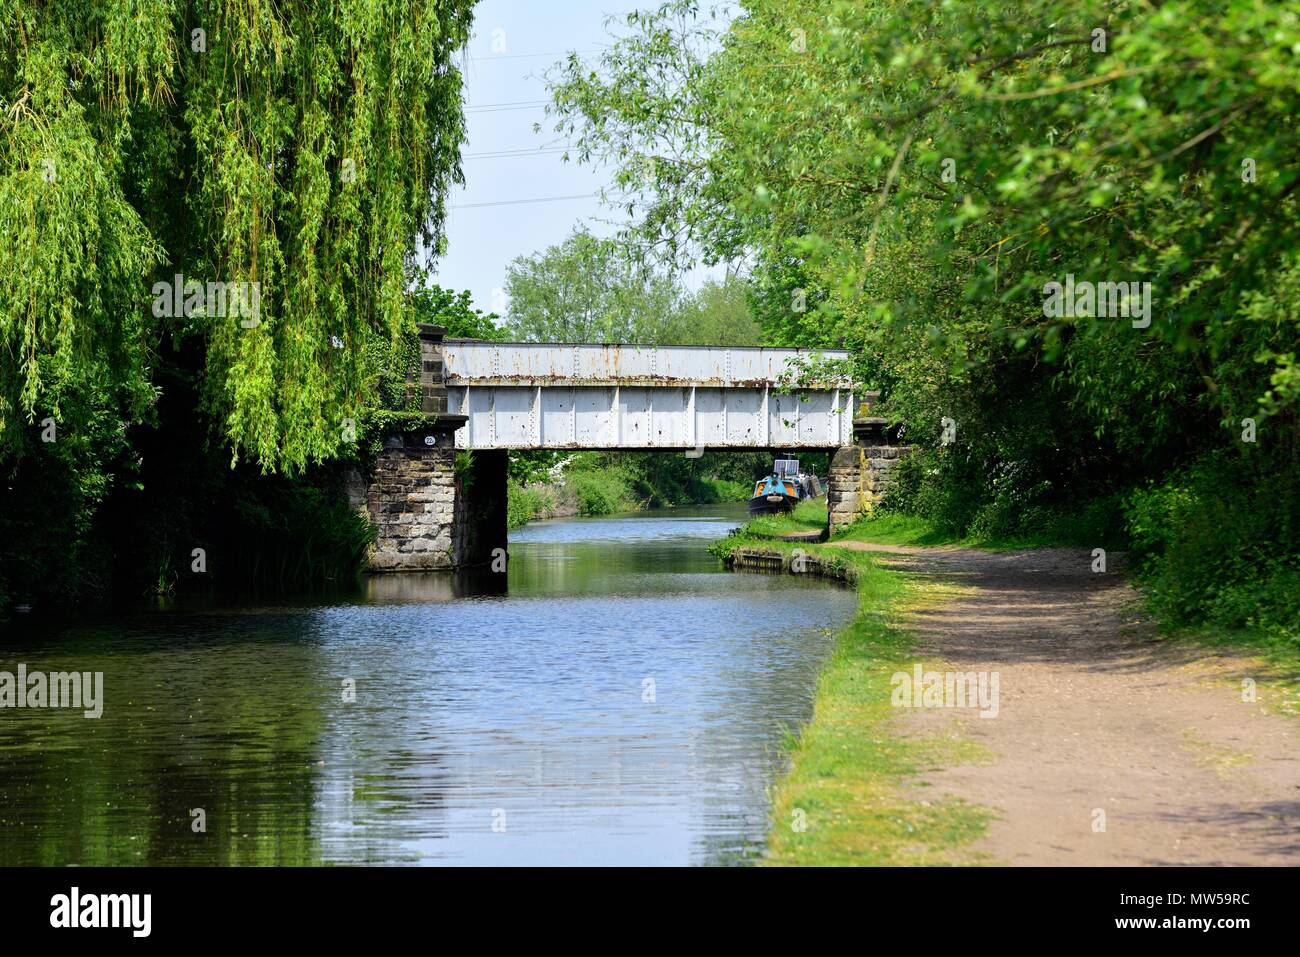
pixel 520 202
pixel 502 154
pixel 506 107
pixel 529 56
pixel 488 106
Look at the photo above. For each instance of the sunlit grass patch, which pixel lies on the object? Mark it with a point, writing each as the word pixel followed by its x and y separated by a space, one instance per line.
pixel 807 516
pixel 893 528
pixel 1220 759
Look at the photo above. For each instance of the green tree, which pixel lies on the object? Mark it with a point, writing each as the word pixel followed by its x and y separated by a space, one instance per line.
pixel 925 169
pixel 586 290
pixel 302 149
pixel 455 312
pixel 718 313
pixel 597 290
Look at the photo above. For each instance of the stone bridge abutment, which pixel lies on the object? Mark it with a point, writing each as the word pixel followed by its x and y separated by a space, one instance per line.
pixel 435 508
pixel 862 473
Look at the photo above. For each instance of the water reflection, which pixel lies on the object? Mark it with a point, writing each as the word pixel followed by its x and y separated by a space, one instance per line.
pixel 424 588
pixel 622 702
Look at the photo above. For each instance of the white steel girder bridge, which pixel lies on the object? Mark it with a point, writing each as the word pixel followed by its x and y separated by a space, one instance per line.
pixel 433 509
pixel 516 395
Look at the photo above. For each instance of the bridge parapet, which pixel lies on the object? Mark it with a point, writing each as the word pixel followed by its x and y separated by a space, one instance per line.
pixel 482 363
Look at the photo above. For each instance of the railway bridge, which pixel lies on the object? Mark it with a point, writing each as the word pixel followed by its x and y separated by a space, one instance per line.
pixel 489 398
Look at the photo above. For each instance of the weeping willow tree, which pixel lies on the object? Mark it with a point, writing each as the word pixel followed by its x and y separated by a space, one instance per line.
pixel 293 156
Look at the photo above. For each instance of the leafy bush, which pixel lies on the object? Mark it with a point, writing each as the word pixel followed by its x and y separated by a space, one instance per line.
pixel 598 493
pixel 724 490
pixel 523 504
pixel 1218 543
pixel 1015 504
pixel 291 534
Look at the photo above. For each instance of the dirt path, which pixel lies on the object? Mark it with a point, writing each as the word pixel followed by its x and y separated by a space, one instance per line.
pixel 1096 715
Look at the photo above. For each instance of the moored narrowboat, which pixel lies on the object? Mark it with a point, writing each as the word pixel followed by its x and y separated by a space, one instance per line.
pixel 783 489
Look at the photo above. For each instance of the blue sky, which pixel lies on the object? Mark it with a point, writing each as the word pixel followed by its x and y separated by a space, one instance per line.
pixel 515 42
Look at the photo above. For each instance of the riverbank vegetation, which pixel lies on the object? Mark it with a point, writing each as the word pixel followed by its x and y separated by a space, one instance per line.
pixel 806 518
pixel 928 184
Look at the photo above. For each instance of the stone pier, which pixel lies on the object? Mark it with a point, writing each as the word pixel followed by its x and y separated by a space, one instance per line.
pixel 861 473
pixel 435 508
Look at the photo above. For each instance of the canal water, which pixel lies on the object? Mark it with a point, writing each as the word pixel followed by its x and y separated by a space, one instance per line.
pixel 622 701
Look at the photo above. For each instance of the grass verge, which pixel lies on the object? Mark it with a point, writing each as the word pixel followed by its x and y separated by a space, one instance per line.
pixel 1277 686
pixel 846 798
